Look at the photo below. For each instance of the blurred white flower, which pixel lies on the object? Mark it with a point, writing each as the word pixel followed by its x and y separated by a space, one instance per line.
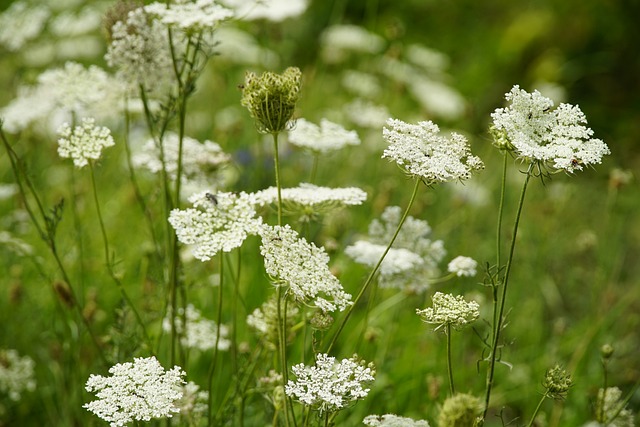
pixel 197 331
pixel 270 10
pixel 450 310
pixel 338 42
pixel 16 374
pixel 329 385
pixel 391 420
pixel 240 47
pixel 139 391
pixel 190 15
pixel 362 84
pixel 83 143
pixel 328 136
pixel 609 402
pixel 366 114
pixel 556 139
pixel 463 266
pixel 421 151
pixel 22 22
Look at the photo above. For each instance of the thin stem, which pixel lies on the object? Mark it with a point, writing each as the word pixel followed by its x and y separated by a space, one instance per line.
pixel 282 347
pixel 498 321
pixel 212 369
pixel 503 186
pixel 314 167
pixel 533 417
pixel 277 172
pixel 452 389
pixel 375 269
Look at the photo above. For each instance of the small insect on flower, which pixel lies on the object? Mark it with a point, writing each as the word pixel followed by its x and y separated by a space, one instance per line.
pixel 212 198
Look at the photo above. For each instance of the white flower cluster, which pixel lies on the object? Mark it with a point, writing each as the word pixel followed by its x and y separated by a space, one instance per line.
pixel 22 22
pixel 193 404
pixel 291 260
pixel 421 151
pixel 329 386
pixel 61 92
pixel 197 331
pixel 327 137
pixel 272 10
pixel 140 391
pixel 83 143
pixel 16 374
pixel 391 420
pixel 311 199
pixel 219 222
pixel 201 161
pixel 450 310
pixel 139 50
pixel 412 261
pixel 554 138
pixel 463 266
pixel 366 114
pixel 338 41
pixel 190 15
pixel 611 400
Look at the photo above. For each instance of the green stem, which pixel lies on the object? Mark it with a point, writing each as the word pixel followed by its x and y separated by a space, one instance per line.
pixel 282 347
pixel 314 167
pixel 377 266
pixel 533 417
pixel 276 159
pixel 212 369
pixel 497 327
pixel 452 389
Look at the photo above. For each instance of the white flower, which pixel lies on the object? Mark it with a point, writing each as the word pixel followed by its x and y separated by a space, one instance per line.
pixel 329 386
pixel 199 332
pixel 271 10
pixel 338 41
pixel 327 137
pixel 610 401
pixel 366 114
pixel 556 138
pixel 291 260
pixel 463 266
pixel 193 404
pixel 395 262
pixel 190 15
pixel 140 391
pixel 391 420
pixel 360 83
pixel 450 310
pixel 310 199
pixel 16 374
pixel 20 23
pixel 219 222
pixel 421 151
pixel 83 143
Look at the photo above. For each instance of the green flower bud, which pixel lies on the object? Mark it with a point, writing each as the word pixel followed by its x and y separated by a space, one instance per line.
pixel 271 98
pixel 557 382
pixel 606 351
pixel 460 410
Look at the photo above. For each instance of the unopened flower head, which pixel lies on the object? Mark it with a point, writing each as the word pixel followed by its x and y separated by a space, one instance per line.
pixel 460 410
pixel 450 310
pixel 463 266
pixel 217 222
pixel 557 382
pixel 16 374
pixel 422 152
pixel 391 420
pixel 271 98
pixel 303 267
pixel 554 138
pixel 197 331
pixel 190 15
pixel 329 385
pixel 139 391
pixel 139 50
pixel 609 402
pixel 326 137
pixel 83 143
pixel 308 200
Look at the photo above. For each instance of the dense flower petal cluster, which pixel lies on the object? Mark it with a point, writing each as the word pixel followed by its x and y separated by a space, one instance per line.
pixel 271 98
pixel 422 152
pixel 197 331
pixel 534 132
pixel 83 143
pixel 391 420
pixel 326 137
pixel 329 385
pixel 16 374
pixel 303 267
pixel 461 409
pixel 412 261
pixel 463 266
pixel 140 391
pixel 190 15
pixel 450 310
pixel 219 222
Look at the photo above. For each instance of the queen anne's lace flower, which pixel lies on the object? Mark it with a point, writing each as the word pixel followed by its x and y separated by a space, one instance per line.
pixel 16 374
pixel 391 420
pixel 273 10
pixel 140 391
pixel 199 331
pixel 463 266
pixel 83 143
pixel 22 22
pixel 450 310
pixel 327 137
pixel 366 114
pixel 329 386
pixel 266 321
pixel 291 260
pixel 219 222
pixel 556 138
pixel 190 15
pixel 421 151
pixel 396 261
pixel 609 402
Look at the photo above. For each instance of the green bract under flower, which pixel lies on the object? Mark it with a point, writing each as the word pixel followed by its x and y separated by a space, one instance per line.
pixel 271 98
